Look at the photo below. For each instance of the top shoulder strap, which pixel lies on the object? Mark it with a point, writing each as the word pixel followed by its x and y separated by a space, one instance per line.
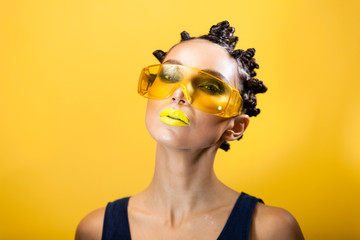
pixel 239 221
pixel 116 223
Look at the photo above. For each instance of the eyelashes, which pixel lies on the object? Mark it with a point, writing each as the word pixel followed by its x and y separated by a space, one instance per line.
pixel 209 86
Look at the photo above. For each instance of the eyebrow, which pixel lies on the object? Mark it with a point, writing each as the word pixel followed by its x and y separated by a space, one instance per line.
pixel 173 62
pixel 209 71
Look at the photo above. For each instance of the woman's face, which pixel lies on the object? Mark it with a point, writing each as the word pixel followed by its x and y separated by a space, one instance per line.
pixel 203 129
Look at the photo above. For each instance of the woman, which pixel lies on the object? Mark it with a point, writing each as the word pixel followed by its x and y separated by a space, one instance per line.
pixel 194 108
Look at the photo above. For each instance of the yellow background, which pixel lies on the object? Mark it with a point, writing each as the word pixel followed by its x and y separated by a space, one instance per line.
pixel 72 133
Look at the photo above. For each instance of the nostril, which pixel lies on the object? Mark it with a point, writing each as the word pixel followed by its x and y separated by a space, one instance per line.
pixel 178 100
pixel 178 96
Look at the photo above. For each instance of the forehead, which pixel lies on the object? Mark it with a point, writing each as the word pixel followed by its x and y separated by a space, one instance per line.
pixel 205 55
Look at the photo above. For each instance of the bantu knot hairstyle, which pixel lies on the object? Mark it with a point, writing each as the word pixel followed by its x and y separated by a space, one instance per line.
pixel 222 34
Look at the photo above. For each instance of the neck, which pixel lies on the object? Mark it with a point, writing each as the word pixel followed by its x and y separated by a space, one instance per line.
pixel 184 181
pixel 183 172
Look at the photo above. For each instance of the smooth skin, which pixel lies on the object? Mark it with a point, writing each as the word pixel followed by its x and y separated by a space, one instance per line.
pixel 185 199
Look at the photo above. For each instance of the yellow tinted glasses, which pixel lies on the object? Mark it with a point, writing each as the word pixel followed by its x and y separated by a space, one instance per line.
pixel 203 90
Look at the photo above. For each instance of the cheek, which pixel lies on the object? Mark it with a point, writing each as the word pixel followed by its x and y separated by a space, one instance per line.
pixel 150 116
pixel 210 128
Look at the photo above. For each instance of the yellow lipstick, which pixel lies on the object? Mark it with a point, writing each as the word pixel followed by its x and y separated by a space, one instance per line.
pixel 174 117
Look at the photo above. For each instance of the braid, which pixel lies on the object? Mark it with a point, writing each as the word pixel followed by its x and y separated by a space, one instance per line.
pixel 160 55
pixel 222 34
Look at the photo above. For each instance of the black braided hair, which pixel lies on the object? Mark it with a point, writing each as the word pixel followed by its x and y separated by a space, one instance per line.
pixel 222 34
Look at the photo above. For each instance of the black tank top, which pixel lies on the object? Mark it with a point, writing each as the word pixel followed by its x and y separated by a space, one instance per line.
pixel 116 224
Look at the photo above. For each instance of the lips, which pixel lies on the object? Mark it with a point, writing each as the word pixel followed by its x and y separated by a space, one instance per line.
pixel 174 117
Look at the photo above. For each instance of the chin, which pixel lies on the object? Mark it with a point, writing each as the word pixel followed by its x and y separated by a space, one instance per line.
pixel 180 138
pixel 180 141
pixel 170 137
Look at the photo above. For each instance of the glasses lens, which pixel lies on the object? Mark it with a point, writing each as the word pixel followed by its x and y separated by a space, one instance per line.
pixel 206 92
pixel 147 78
pixel 167 77
pixel 210 94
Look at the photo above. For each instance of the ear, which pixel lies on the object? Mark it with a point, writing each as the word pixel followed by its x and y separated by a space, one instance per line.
pixel 236 128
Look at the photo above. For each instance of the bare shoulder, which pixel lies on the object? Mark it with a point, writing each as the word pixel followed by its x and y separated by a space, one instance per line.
pixel 270 223
pixel 90 227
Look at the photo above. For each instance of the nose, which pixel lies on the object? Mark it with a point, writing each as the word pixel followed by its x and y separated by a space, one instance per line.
pixel 179 96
